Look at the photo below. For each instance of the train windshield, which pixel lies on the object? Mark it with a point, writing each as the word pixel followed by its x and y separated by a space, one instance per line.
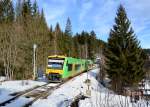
pixel 55 64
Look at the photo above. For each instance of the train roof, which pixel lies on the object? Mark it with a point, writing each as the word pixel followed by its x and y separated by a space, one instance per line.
pixel 56 56
pixel 62 56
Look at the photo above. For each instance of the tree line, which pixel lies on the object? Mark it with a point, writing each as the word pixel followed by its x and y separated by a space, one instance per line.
pixel 22 25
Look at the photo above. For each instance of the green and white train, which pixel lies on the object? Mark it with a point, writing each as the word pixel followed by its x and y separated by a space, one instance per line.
pixel 60 68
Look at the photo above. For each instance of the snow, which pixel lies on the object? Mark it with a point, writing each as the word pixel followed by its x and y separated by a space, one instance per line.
pixel 100 96
pixel 65 95
pixel 15 86
pixel 8 87
pixel 147 87
pixel 2 78
pixel 108 100
pixel 19 102
pixel 58 101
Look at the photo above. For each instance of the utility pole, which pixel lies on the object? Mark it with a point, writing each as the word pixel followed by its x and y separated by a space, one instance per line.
pixel 88 82
pixel 86 50
pixel 34 61
pixel 86 54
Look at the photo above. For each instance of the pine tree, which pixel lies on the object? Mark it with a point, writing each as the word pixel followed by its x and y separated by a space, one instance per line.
pixel 82 39
pixel 1 11
pixel 51 28
pixel 57 28
pixel 124 56
pixel 57 34
pixel 68 42
pixel 76 46
pixel 19 8
pixel 43 20
pixel 35 8
pixel 6 11
pixel 29 7
pixel 68 29
pixel 92 45
pixel 26 9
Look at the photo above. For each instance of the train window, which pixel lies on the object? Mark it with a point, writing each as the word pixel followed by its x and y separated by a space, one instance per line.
pixel 77 67
pixel 55 65
pixel 69 67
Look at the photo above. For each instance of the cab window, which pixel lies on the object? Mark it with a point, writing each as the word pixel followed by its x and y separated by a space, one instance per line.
pixel 55 64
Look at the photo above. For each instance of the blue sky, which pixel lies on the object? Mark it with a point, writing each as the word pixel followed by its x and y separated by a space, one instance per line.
pixel 98 15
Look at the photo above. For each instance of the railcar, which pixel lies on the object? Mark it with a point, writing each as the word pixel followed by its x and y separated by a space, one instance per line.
pixel 90 64
pixel 60 68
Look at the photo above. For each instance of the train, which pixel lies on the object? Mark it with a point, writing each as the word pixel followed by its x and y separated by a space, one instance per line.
pixel 60 67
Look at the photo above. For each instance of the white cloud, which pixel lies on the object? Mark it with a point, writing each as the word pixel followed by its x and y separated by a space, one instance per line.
pixel 53 11
pixel 99 15
pixel 103 18
pixel 85 7
pixel 138 12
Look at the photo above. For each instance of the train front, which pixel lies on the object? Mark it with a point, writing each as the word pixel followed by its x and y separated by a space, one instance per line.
pixel 54 70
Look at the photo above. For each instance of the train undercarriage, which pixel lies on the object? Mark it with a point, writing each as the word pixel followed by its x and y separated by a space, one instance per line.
pixel 54 77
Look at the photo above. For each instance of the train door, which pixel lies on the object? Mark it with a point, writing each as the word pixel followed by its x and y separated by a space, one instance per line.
pixel 68 67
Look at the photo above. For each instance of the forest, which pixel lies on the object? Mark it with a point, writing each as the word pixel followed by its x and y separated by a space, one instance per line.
pixel 22 25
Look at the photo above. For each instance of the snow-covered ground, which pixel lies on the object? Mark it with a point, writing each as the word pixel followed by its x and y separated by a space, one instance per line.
pixel 147 87
pixel 9 87
pixel 2 78
pixel 100 96
pixel 64 96
pixel 15 86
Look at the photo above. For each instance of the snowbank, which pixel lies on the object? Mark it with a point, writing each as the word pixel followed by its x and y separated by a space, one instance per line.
pixel 2 78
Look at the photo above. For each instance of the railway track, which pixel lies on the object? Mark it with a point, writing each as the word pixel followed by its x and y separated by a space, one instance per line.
pixel 38 92
pixel 20 94
pixel 45 94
